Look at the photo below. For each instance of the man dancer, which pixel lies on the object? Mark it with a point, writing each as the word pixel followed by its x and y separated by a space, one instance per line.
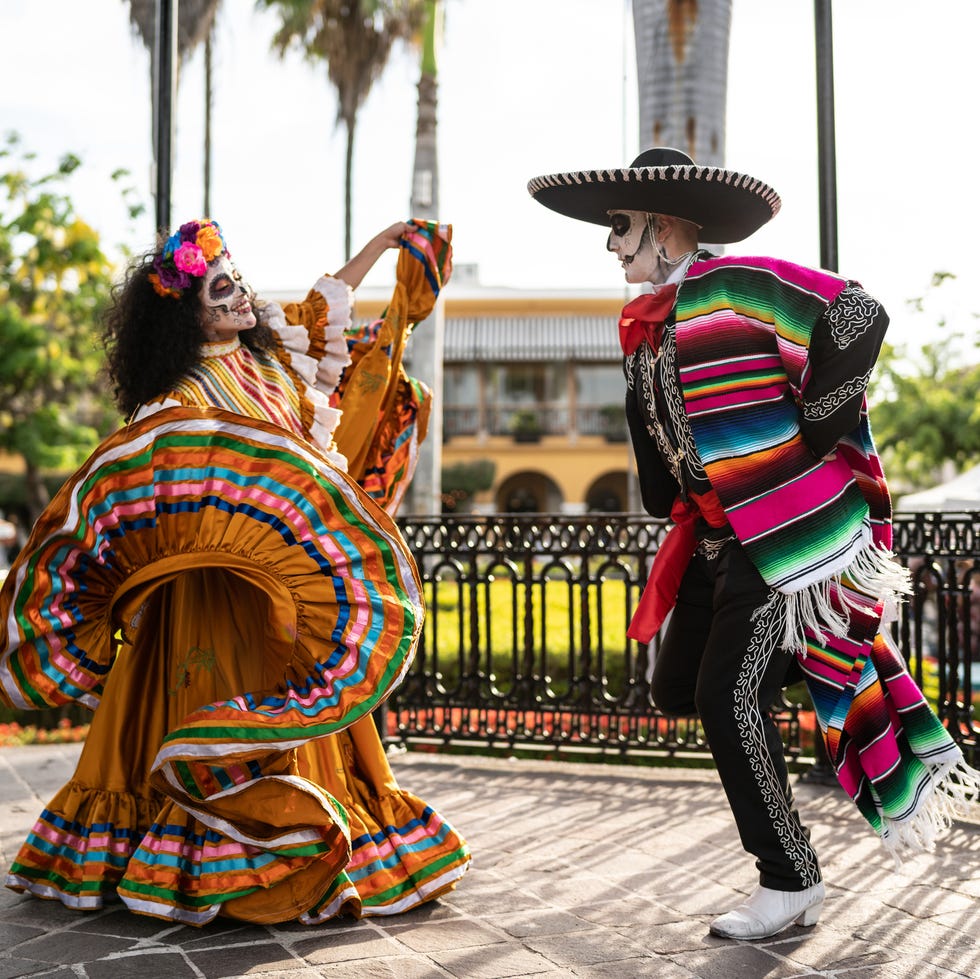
pixel 746 382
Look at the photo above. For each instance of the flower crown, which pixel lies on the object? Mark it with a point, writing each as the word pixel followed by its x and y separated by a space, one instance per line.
pixel 186 253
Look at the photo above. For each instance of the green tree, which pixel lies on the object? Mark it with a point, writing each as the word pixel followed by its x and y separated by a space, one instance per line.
pixel 54 282
pixel 462 481
pixel 354 38
pixel 925 404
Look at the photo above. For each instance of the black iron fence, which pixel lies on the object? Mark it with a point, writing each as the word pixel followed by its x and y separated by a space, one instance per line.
pixel 524 645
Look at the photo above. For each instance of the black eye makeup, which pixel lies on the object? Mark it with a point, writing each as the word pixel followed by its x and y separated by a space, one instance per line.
pixel 221 287
pixel 620 224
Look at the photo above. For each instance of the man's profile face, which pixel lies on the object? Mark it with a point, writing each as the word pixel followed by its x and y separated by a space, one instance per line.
pixel 630 238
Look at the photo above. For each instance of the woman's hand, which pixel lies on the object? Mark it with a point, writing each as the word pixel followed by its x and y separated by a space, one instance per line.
pixel 354 271
pixel 391 236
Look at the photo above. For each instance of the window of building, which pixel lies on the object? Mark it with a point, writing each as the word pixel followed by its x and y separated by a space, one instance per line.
pixel 461 399
pixel 514 390
pixel 599 396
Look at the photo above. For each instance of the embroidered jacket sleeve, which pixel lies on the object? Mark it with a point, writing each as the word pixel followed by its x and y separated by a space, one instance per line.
pixel 843 349
pixel 658 487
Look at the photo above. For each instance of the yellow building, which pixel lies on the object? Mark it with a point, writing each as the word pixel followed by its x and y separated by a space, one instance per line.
pixel 533 382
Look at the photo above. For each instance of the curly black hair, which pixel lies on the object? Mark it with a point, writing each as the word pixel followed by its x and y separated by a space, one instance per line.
pixel 152 341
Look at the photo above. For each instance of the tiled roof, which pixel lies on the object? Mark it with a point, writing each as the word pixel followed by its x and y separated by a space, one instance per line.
pixel 536 338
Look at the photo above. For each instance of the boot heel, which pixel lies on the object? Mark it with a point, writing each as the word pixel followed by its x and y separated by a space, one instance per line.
pixel 811 916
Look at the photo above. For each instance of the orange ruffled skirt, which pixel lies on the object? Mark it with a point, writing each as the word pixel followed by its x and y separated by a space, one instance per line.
pixel 234 607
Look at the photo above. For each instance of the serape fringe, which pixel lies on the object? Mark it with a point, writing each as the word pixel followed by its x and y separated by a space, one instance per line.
pixel 873 572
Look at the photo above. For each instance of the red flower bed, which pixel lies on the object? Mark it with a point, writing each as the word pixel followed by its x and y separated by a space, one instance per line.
pixel 13 734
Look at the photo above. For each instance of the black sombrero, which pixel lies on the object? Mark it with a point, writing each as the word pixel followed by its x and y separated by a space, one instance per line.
pixel 727 206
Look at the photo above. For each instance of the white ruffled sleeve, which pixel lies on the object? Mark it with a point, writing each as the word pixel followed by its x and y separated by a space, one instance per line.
pixel 313 345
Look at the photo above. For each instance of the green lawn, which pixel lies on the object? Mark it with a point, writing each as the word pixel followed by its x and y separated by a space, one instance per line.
pixel 498 625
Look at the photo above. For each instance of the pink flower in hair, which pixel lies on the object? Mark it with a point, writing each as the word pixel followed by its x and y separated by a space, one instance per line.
pixel 190 258
pixel 185 255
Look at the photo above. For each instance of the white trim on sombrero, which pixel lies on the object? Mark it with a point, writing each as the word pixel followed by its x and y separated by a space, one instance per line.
pixel 726 205
pixel 733 178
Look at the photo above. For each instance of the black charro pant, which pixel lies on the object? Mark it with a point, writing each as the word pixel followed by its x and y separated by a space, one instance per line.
pixel 721 659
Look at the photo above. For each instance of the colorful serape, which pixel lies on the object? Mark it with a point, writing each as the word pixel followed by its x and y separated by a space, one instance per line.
pixel 890 751
pixel 743 329
pixel 819 532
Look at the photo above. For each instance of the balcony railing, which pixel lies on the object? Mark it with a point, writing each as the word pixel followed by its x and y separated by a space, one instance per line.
pixel 524 643
pixel 548 419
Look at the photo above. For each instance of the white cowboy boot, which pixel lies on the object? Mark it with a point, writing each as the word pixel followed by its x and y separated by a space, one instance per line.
pixel 767 912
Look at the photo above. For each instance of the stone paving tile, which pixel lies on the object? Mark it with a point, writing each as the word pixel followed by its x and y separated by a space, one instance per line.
pixel 27 910
pixel 894 929
pixel 629 863
pixel 966 921
pixel 634 912
pixel 505 895
pixel 291 931
pixel 298 973
pixel 233 961
pixel 580 890
pixel 12 935
pixel 925 902
pixel 586 948
pixel 124 924
pixel 687 894
pixel 433 911
pixel 393 968
pixel 66 947
pixel 222 932
pixel 674 937
pixel 827 950
pixel 8 898
pixel 496 962
pixel 906 969
pixel 520 924
pixel 971 887
pixel 957 959
pixel 145 965
pixel 738 962
pixel 457 933
pixel 14 968
pixel 347 945
pixel 649 968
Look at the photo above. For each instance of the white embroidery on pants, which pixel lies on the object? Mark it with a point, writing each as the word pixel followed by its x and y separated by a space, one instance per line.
pixel 764 642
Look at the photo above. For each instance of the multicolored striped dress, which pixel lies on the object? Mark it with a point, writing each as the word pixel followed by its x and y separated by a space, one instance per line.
pixel 233 606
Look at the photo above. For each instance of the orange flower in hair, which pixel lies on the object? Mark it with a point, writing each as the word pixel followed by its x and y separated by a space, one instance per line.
pixel 185 256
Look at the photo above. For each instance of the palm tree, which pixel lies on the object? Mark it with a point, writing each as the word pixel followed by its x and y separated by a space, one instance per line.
pixel 354 37
pixel 425 176
pixel 195 24
pixel 194 21
pixel 682 74
pixel 427 337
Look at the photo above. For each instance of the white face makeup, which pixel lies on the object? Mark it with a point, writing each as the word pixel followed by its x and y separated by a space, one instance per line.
pixel 630 239
pixel 226 307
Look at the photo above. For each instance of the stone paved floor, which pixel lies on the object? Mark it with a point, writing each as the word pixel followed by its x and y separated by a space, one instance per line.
pixel 579 870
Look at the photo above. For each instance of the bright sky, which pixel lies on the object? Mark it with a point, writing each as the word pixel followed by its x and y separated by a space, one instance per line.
pixel 526 87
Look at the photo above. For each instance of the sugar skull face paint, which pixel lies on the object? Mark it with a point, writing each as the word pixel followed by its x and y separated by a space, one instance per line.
pixel 631 239
pixel 226 301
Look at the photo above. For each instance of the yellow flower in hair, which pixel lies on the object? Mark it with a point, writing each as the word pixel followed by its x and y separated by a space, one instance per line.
pixel 210 243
